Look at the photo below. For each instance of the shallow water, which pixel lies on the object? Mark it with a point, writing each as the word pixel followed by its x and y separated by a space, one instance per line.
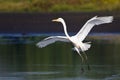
pixel 20 59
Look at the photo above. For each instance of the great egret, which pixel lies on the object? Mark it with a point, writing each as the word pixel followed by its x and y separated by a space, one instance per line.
pixel 77 39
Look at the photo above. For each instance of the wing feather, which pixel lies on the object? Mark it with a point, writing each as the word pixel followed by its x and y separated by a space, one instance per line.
pixel 91 23
pixel 51 40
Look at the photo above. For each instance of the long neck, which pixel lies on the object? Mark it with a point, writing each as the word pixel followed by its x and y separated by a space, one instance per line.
pixel 65 29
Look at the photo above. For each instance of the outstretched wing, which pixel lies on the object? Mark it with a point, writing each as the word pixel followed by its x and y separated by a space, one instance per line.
pixel 90 23
pixel 51 40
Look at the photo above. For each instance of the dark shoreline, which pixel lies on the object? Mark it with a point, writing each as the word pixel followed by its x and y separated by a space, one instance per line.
pixel 41 22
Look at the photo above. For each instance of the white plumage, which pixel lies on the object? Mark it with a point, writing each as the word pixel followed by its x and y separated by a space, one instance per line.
pixel 79 37
pixel 51 40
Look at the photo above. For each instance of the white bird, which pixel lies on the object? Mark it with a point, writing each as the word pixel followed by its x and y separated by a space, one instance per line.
pixel 77 39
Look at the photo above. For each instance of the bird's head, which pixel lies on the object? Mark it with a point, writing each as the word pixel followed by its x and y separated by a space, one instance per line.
pixel 58 20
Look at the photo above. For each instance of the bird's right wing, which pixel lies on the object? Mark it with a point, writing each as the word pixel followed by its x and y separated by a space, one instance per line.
pixel 89 25
pixel 51 40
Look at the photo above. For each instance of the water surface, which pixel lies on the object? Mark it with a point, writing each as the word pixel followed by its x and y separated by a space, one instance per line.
pixel 20 59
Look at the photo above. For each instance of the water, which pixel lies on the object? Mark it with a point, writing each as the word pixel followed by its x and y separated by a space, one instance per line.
pixel 20 59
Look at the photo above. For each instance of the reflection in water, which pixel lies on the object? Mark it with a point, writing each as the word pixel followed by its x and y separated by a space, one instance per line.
pixel 20 59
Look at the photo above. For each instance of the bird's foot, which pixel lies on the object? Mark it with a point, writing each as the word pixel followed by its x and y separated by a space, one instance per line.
pixel 82 70
pixel 89 67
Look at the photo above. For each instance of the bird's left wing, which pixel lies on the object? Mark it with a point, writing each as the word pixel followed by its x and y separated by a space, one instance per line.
pixel 90 23
pixel 51 40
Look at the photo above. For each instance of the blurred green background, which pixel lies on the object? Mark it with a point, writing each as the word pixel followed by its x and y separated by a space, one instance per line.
pixel 59 5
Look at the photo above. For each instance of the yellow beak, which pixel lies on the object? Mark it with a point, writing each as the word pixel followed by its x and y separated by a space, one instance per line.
pixel 55 20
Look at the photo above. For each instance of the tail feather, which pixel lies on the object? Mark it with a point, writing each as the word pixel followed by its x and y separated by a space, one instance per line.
pixel 87 45
pixel 83 48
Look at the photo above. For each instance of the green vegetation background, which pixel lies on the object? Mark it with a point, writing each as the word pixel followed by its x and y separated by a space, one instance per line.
pixel 59 5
